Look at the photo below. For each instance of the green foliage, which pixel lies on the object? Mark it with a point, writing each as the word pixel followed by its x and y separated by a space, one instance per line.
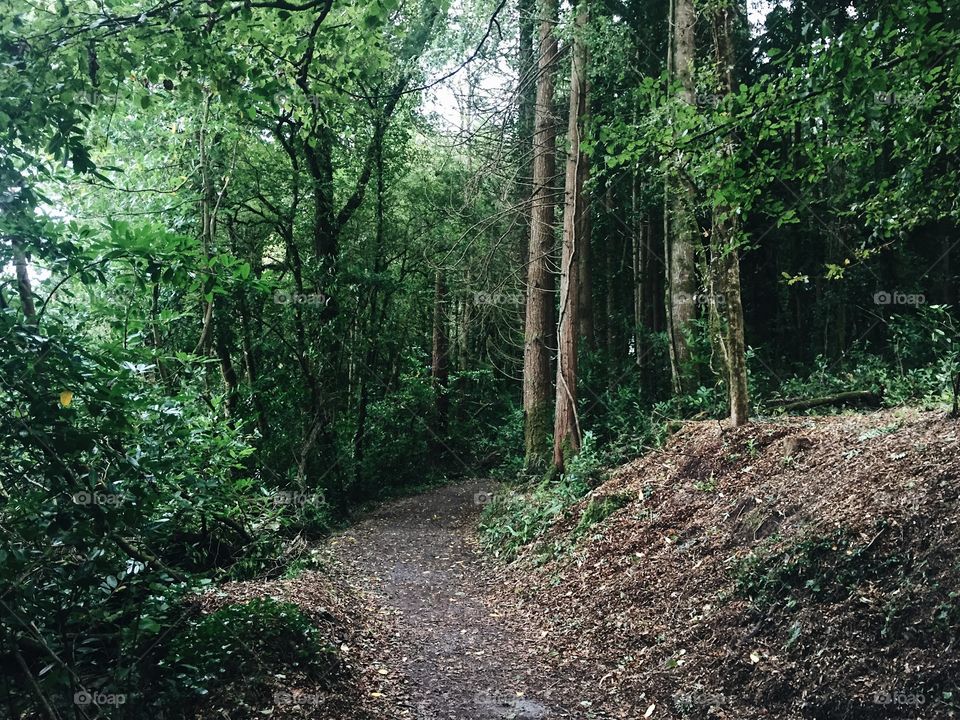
pixel 918 365
pixel 237 639
pixel 242 229
pixel 598 510
pixel 486 430
pixel 521 515
pixel 397 437
pixel 586 467
pixel 245 645
pixel 506 447
pixel 817 569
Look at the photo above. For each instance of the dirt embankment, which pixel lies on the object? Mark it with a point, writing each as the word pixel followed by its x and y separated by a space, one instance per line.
pixel 797 568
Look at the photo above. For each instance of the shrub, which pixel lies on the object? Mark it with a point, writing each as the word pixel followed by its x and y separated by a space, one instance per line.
pixel 598 510
pixel 522 515
pixel 245 643
pixel 818 568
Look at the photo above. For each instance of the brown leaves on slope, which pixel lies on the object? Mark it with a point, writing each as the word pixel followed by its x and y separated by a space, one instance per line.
pixel 803 567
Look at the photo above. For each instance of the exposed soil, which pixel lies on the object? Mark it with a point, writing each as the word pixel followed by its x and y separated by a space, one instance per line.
pixel 795 568
pixel 465 658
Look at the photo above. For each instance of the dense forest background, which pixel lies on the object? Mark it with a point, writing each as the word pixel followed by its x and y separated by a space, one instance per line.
pixel 267 260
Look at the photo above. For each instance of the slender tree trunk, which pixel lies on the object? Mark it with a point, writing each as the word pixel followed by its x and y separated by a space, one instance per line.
pixel 714 271
pixel 566 428
pixel 374 322
pixel 680 227
pixel 231 383
pixel 585 226
pixel 24 288
pixel 637 250
pixel 251 366
pixel 724 241
pixel 440 368
pixel 207 224
pixel 460 324
pixel 538 325
pixel 736 345
pixel 318 149
pixel 526 111
pixel 610 300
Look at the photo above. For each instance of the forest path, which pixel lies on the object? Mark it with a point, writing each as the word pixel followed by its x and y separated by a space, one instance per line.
pixel 464 659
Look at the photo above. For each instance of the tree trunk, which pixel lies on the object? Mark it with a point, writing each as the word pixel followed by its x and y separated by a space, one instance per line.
pixel 680 228
pixel 440 368
pixel 24 288
pixel 207 226
pixel 527 71
pixel 584 228
pixel 374 322
pixel 538 324
pixel 724 242
pixel 317 149
pixel 231 383
pixel 610 280
pixel 736 345
pixel 251 366
pixel 566 428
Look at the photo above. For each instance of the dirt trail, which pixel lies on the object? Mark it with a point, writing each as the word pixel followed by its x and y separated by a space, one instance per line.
pixel 460 654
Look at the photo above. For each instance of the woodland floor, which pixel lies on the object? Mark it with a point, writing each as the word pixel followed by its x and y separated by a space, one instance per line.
pixel 798 568
pixel 464 657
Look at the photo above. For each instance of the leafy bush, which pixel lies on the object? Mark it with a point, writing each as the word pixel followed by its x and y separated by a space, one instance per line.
pixel 598 510
pixel 246 643
pixel 504 448
pixel 819 568
pixel 920 366
pixel 585 468
pixel 520 516
pixel 396 439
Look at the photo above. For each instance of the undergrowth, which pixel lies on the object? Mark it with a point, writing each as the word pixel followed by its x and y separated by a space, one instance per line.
pixel 249 643
pixel 835 567
pixel 819 568
pixel 523 513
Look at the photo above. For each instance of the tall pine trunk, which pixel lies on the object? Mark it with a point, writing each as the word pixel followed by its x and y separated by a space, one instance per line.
pixel 538 326
pixel 680 226
pixel 584 228
pixel 724 241
pixel 566 428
